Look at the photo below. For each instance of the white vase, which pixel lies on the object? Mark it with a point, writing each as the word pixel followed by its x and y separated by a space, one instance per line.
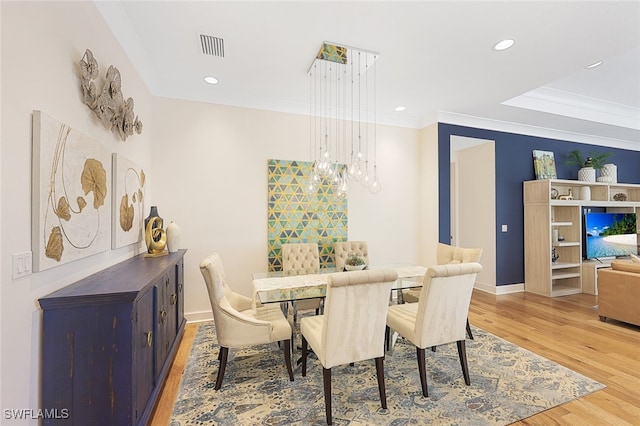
pixel 610 171
pixel 587 174
pixel 173 237
pixel 585 193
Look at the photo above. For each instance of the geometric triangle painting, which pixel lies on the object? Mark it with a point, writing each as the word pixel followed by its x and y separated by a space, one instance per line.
pixel 294 216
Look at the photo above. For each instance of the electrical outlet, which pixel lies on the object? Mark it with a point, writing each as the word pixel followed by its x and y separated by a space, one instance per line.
pixel 504 228
pixel 21 264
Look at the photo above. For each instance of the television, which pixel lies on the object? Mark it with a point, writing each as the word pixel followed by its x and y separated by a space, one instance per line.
pixel 609 235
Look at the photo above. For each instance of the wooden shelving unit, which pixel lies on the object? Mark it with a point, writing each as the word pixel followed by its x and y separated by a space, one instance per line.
pixel 543 215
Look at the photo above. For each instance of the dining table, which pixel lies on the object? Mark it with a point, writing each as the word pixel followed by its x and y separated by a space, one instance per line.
pixel 287 287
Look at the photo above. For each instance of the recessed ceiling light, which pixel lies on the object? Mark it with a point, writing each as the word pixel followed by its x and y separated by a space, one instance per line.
pixel 504 44
pixel 595 64
pixel 211 80
pixel 399 108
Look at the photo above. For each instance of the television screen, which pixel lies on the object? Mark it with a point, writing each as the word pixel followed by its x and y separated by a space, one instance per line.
pixel 610 235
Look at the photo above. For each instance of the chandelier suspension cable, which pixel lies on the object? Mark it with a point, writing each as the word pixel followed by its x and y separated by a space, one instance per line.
pixel 366 180
pixel 375 187
pixel 332 130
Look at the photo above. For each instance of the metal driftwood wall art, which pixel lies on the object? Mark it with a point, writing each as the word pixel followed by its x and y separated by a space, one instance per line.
pixel 108 103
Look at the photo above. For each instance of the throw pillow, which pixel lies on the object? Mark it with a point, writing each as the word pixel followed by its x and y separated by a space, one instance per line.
pixel 634 258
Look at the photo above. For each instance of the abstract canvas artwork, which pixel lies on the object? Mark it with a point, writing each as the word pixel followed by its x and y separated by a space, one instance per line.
pixel 297 217
pixel 71 194
pixel 128 202
pixel 544 164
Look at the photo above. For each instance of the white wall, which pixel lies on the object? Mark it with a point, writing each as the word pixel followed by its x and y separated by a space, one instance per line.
pixel 42 43
pixel 206 167
pixel 211 165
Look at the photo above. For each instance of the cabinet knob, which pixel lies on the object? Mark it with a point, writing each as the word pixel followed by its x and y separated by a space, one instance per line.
pixel 163 316
pixel 149 338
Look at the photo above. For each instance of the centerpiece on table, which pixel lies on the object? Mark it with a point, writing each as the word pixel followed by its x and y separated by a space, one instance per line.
pixel 354 263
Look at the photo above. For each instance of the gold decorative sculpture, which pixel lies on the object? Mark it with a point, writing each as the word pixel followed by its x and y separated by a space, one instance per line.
pixel 109 104
pixel 156 238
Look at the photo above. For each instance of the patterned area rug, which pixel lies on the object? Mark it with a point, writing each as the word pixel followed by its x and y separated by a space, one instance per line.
pixel 508 383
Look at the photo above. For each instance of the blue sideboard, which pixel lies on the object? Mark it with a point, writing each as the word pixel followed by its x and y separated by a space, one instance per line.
pixel 109 341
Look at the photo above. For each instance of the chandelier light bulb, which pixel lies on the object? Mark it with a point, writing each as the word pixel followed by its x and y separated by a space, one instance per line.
pixel 375 187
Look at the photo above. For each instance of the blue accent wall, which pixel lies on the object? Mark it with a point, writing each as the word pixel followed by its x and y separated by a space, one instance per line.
pixel 514 164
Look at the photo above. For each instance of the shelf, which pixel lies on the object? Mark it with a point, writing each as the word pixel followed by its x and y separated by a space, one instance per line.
pixel 563 290
pixel 566 244
pixel 561 223
pixel 564 275
pixel 564 265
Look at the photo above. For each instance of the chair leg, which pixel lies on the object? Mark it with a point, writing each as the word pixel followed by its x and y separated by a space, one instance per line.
pixel 469 330
pixel 422 370
pixel 462 353
pixel 381 388
pixel 387 338
pixel 326 380
pixel 433 348
pixel 287 358
pixel 222 356
pixel 304 356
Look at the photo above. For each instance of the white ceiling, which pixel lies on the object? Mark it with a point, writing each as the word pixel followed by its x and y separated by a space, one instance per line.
pixel 436 58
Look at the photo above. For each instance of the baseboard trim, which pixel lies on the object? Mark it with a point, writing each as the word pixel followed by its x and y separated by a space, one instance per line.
pixel 199 316
pixel 500 289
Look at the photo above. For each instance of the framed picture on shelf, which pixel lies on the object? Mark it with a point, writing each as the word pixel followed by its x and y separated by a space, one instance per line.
pixel 544 164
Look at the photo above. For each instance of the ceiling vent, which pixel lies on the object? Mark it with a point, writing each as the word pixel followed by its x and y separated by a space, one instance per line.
pixel 211 45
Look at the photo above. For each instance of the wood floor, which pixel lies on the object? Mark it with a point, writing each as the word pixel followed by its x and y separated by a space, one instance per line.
pixel 565 329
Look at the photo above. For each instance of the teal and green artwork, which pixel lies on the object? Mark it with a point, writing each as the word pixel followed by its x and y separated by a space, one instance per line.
pixel 294 216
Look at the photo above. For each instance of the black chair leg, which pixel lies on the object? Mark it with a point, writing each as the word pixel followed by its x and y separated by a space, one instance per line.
pixel 287 358
pixel 422 370
pixel 222 356
pixel 381 387
pixel 387 338
pixel 462 353
pixel 469 330
pixel 433 348
pixel 326 380
pixel 304 356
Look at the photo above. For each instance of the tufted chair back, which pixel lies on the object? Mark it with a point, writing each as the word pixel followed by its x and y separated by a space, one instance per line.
pixel 446 254
pixel 343 249
pixel 300 258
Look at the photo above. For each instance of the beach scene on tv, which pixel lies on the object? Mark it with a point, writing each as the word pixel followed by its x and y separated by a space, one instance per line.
pixel 610 235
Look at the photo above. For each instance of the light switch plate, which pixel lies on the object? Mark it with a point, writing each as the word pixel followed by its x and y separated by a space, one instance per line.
pixel 504 228
pixel 21 264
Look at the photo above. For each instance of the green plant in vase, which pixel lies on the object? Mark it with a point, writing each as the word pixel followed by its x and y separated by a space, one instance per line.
pixel 354 263
pixel 588 165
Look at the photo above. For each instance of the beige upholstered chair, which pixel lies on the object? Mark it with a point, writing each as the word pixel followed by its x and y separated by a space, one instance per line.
pixel 343 249
pixel 440 315
pixel 352 327
pixel 446 254
pixel 237 324
pixel 300 259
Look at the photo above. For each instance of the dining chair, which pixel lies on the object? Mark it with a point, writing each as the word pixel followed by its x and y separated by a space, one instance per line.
pixel 352 327
pixel 447 254
pixel 344 249
pixel 440 315
pixel 301 259
pixel 237 323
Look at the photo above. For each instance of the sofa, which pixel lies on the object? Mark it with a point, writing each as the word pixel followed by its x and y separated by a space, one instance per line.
pixel 619 292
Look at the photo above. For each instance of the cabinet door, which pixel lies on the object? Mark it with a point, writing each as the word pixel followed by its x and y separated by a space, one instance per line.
pixel 143 350
pixel 160 322
pixel 180 293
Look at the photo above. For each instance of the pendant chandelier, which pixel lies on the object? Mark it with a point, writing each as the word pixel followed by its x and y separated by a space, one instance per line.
pixel 342 89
